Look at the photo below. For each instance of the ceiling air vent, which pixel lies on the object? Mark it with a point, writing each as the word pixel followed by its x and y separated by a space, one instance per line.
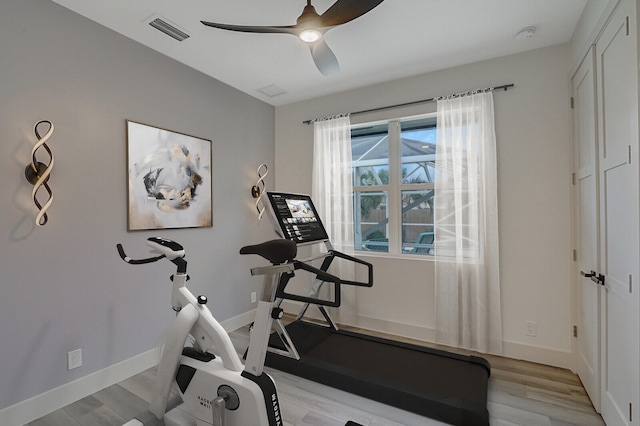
pixel 169 29
pixel 272 90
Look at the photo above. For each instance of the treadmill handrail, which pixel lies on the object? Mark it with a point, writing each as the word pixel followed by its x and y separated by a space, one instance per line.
pixel 320 275
pixel 336 253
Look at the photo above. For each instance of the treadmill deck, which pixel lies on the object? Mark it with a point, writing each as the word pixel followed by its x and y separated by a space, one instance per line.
pixel 433 383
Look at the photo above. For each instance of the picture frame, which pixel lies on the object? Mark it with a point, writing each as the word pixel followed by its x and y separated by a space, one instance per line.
pixel 169 179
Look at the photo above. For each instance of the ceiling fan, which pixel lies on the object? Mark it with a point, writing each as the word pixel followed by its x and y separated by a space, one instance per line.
pixel 311 27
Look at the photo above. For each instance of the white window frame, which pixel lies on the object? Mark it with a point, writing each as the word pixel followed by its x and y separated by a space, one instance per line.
pixel 394 188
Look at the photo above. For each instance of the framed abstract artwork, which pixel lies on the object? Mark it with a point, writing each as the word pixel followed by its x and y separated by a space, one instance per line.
pixel 169 179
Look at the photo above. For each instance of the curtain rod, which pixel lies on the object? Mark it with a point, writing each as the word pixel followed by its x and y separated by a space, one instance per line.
pixel 504 86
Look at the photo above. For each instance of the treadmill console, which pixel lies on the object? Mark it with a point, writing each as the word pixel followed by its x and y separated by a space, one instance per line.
pixel 296 218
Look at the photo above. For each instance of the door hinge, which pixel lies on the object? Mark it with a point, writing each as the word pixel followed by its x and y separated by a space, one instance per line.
pixel 575 255
pixel 573 179
pixel 630 284
pixel 575 331
pixel 627 24
pixel 630 412
pixel 629 151
pixel 571 102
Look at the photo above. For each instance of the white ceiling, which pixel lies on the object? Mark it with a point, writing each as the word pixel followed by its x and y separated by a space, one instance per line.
pixel 399 38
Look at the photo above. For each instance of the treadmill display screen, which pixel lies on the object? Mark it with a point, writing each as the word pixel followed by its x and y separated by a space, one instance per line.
pixel 297 217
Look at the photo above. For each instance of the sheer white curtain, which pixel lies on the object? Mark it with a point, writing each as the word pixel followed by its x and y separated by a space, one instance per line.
pixel 332 196
pixel 468 312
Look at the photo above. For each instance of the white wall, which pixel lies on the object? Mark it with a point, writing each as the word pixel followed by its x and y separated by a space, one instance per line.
pixel 63 286
pixel 590 24
pixel 534 169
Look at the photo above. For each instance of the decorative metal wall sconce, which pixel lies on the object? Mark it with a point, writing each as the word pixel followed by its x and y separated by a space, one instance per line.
pixel 259 189
pixel 37 173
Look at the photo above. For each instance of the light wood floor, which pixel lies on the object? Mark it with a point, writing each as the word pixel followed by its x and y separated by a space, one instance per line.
pixel 520 393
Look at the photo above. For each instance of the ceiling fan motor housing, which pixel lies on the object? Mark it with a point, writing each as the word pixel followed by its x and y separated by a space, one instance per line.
pixel 309 17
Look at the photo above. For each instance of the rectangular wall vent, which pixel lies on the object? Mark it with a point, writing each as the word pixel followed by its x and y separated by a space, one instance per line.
pixel 170 30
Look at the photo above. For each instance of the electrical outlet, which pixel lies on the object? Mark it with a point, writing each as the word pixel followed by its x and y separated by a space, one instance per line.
pixel 253 297
pixel 531 329
pixel 74 359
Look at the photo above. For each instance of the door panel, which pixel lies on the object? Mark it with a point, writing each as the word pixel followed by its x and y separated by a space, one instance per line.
pixel 586 228
pixel 620 354
pixel 619 218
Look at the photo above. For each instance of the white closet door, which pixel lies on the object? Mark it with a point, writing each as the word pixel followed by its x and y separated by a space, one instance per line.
pixel 586 241
pixel 619 219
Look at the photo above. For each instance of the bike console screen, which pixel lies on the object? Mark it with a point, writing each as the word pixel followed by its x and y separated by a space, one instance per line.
pixel 297 217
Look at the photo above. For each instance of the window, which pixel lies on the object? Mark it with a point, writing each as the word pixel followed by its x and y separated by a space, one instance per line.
pixel 393 170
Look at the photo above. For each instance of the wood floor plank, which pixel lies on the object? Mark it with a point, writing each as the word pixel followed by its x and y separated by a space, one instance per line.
pixel 561 400
pixel 531 381
pixel 102 416
pixel 507 415
pixel 292 413
pixel 80 408
pixel 57 418
pixel 141 384
pixel 126 403
pixel 316 419
pixel 512 388
pixel 567 412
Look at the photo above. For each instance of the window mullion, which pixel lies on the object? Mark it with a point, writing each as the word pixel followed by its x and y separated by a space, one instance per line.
pixel 394 207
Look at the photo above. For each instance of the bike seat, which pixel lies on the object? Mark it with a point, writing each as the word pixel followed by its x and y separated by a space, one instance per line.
pixel 275 251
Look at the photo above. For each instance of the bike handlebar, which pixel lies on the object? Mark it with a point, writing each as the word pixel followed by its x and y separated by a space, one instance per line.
pixel 166 248
pixel 127 259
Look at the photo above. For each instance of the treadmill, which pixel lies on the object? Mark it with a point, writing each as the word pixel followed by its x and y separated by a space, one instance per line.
pixel 445 386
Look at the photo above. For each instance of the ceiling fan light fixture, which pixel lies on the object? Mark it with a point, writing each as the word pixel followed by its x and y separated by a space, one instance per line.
pixel 310 35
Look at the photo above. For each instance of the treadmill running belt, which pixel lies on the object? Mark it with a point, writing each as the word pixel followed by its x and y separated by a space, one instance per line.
pixel 430 382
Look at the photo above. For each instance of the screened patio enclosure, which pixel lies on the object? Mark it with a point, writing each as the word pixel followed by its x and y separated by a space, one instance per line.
pixel 393 171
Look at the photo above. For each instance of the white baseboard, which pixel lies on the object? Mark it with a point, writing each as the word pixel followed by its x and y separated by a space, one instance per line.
pixel 239 321
pixel 40 405
pixel 538 354
pixel 515 350
pixel 397 328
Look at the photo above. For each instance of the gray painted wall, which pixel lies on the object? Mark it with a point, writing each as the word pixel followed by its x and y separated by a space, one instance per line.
pixel 63 286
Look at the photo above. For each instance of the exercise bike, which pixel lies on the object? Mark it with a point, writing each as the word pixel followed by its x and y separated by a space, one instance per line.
pixel 219 390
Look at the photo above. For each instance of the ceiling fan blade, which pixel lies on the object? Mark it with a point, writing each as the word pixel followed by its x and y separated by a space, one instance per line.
pixel 324 58
pixel 290 29
pixel 344 11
